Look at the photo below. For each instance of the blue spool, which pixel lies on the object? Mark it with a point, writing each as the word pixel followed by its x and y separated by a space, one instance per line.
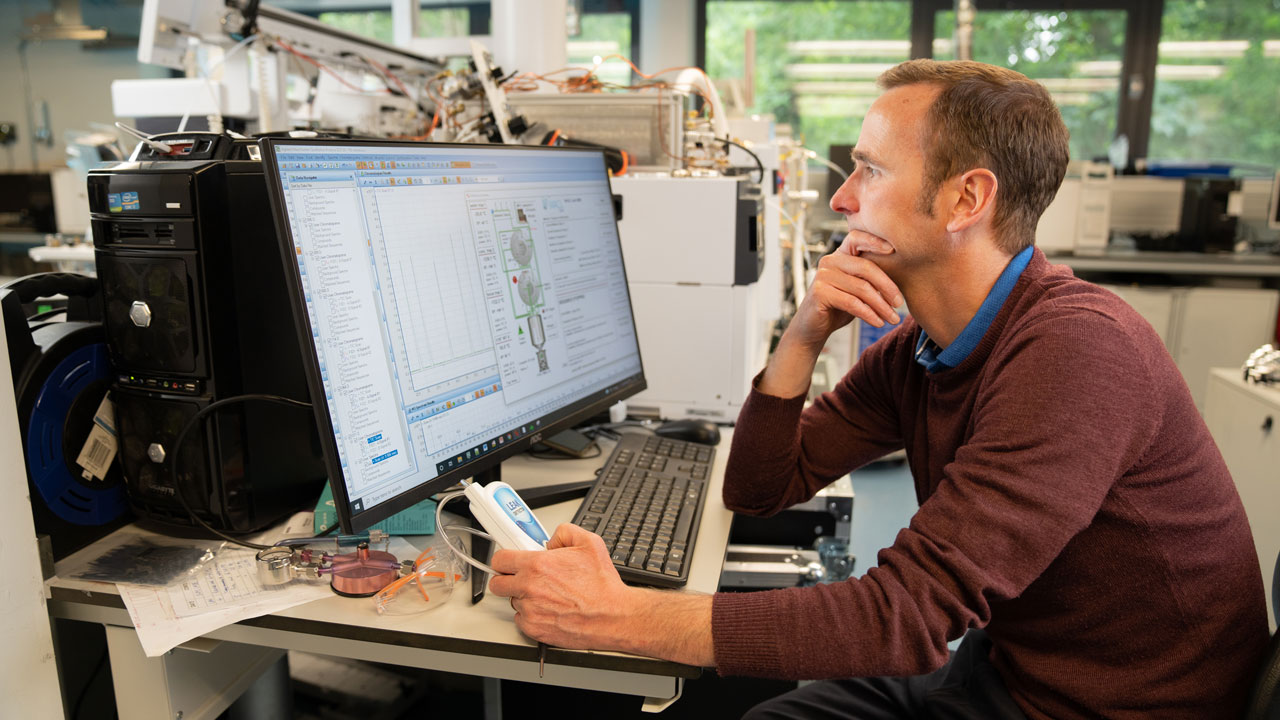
pixel 63 494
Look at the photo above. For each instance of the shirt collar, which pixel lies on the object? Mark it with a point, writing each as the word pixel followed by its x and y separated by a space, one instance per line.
pixel 936 359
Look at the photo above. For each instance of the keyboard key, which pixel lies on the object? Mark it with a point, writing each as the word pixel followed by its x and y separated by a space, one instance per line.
pixel 684 524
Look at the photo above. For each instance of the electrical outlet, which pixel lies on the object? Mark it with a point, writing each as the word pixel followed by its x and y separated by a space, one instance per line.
pixel 8 133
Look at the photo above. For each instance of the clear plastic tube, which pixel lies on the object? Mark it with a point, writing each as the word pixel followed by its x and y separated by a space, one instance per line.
pixel 457 549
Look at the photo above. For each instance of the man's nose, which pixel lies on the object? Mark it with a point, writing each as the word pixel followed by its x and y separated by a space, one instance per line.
pixel 843 201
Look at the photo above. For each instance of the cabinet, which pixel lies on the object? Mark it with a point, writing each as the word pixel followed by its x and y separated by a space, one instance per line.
pixel 1205 327
pixel 1244 419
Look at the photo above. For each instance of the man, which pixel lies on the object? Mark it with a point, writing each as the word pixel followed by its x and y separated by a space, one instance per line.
pixel 1072 503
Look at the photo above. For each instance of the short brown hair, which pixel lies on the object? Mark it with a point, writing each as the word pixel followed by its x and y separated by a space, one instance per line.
pixel 992 117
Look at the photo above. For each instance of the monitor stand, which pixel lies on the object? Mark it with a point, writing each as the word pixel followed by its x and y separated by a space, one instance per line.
pixel 481 547
pixel 570 442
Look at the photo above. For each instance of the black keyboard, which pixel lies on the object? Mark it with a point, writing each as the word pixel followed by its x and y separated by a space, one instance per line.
pixel 647 504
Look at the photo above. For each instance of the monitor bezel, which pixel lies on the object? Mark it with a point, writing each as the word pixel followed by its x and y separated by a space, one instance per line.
pixel 1273 218
pixel 566 417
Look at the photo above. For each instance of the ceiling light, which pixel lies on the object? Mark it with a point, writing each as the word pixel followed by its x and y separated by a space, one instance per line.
pixel 836 70
pixel 851 48
pixel 1189 72
pixel 1203 48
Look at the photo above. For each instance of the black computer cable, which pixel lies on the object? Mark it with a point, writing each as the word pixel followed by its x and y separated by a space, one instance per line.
pixel 84 690
pixel 740 146
pixel 249 26
pixel 177 450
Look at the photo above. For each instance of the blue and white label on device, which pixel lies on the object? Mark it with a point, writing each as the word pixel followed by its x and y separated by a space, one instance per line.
pixel 516 510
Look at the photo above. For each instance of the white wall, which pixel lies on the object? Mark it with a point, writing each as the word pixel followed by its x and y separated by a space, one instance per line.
pixel 75 82
pixel 28 673
pixel 667 34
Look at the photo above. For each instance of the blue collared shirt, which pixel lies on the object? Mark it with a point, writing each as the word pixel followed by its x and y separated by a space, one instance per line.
pixel 935 359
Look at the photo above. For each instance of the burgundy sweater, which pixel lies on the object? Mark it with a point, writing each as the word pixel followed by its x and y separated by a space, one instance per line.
pixel 1072 503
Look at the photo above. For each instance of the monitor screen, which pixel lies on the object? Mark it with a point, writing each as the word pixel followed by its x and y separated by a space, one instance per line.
pixel 459 302
pixel 842 157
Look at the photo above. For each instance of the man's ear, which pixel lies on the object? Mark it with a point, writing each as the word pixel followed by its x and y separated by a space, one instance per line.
pixel 975 201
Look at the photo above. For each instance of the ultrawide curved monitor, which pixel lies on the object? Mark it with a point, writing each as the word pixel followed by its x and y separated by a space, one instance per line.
pixel 458 302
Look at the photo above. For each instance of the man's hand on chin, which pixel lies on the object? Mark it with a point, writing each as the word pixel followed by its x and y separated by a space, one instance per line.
pixel 848 284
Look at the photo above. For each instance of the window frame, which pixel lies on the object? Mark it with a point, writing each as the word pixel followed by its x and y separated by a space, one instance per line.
pixel 481 14
pixel 1137 67
pixel 632 7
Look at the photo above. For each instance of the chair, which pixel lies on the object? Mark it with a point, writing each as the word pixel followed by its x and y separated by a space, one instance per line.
pixel 1264 701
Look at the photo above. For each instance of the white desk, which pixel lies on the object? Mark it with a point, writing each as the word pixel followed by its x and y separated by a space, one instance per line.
pixel 201 677
pixel 1242 419
pixel 1172 263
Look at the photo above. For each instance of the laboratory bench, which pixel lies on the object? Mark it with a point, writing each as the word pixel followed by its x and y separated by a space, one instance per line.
pixel 202 677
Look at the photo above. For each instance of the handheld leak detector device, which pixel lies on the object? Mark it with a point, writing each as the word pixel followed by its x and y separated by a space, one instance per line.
pixel 506 517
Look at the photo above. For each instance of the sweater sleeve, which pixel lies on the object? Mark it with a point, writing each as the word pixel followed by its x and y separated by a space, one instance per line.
pixel 1066 411
pixel 783 454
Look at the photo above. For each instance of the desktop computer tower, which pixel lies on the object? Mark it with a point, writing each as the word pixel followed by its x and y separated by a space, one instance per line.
pixel 196 311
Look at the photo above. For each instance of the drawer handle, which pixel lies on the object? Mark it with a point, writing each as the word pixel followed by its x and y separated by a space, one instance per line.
pixel 1266 425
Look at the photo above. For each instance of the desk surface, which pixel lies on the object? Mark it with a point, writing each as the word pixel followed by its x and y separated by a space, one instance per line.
pixel 479 639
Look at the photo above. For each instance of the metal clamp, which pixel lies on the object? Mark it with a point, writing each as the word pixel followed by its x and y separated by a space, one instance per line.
pixel 275 565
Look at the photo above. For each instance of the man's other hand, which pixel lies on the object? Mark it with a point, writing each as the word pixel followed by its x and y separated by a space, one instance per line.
pixel 568 595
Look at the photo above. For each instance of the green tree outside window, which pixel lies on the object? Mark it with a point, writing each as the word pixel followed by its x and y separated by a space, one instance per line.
pixel 816 62
pixel 1075 54
pixel 1217 91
